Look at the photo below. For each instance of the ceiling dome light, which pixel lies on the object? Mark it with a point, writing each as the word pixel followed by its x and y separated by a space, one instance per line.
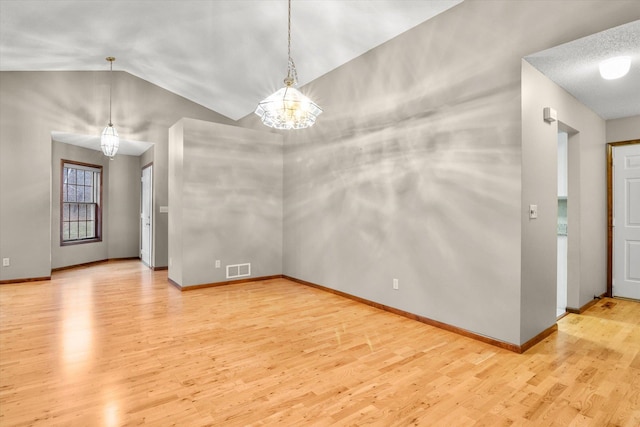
pixel 614 68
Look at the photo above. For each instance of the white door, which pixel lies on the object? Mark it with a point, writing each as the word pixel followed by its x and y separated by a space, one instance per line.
pixel 626 221
pixel 146 215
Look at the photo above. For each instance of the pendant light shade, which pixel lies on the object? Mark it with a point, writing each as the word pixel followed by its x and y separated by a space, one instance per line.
pixel 109 140
pixel 288 108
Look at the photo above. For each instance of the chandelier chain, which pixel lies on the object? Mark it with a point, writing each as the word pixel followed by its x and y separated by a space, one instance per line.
pixel 289 33
pixel 292 73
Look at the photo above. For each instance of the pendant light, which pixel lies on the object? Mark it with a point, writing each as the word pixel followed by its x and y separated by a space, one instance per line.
pixel 110 141
pixel 288 108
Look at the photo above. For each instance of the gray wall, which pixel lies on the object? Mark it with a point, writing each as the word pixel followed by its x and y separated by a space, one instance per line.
pixel 26 121
pixel 225 198
pixel 121 201
pixel 623 129
pixel 586 201
pixel 175 196
pixel 415 170
pixel 62 256
pixel 32 105
pixel 123 232
pixel 154 111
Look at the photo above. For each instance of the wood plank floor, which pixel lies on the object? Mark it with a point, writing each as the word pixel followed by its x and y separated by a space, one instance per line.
pixel 115 344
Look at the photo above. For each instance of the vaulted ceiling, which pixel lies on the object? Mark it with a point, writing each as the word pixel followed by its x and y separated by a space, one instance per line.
pixel 226 55
pixel 229 54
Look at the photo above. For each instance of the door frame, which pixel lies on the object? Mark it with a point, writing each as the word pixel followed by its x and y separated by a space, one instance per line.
pixel 148 165
pixel 610 148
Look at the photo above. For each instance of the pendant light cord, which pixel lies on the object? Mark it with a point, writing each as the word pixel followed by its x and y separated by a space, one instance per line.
pixel 110 88
pixel 289 33
pixel 110 59
pixel 292 74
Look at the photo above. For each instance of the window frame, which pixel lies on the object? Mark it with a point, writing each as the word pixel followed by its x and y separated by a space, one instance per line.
pixel 98 219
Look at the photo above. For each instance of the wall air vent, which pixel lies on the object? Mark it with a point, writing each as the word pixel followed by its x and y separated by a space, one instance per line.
pixel 238 270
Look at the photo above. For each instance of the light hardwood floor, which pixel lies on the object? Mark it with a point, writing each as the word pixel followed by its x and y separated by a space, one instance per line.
pixel 115 344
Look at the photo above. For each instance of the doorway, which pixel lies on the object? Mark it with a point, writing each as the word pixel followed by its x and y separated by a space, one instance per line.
pixel 146 216
pixel 562 225
pixel 623 205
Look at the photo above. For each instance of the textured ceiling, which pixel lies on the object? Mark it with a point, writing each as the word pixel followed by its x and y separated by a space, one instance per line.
pixel 229 54
pixel 226 55
pixel 574 67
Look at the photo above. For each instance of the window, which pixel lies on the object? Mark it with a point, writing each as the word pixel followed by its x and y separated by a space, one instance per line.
pixel 80 203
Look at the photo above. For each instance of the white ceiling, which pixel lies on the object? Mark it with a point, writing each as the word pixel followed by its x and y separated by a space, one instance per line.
pixel 229 54
pixel 226 55
pixel 575 67
pixel 92 142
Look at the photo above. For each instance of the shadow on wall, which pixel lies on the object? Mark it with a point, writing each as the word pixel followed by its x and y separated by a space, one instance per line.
pixel 408 187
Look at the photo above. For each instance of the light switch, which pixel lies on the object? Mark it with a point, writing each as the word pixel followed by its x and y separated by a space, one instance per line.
pixel 533 211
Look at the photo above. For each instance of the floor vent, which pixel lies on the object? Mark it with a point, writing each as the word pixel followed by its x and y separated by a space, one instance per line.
pixel 238 270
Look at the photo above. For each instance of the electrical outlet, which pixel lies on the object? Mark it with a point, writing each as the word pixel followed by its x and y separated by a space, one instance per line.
pixel 217 263
pixel 395 284
pixel 6 262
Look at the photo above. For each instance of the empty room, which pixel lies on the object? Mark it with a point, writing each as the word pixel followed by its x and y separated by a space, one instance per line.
pixel 430 217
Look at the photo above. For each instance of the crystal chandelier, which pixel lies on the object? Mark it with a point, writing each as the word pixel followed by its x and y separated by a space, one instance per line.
pixel 109 140
pixel 288 108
